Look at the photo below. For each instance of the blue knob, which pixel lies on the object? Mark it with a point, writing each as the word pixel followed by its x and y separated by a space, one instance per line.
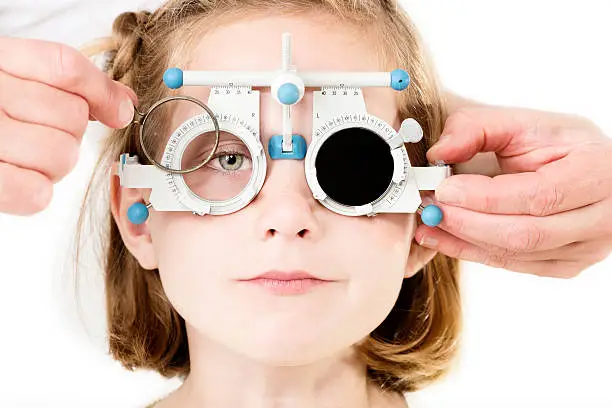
pixel 173 78
pixel 431 215
pixel 288 93
pixel 399 79
pixel 138 213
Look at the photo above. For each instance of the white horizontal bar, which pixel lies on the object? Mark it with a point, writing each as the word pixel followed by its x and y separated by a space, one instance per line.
pixel 265 78
pixel 228 78
pixel 347 79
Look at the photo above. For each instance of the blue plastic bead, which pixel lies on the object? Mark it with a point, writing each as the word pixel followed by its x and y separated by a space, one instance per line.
pixel 138 213
pixel 275 148
pixel 399 79
pixel 173 78
pixel 431 215
pixel 288 93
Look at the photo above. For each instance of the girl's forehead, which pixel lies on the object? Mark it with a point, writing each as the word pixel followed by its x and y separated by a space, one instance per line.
pixel 319 43
pixel 255 44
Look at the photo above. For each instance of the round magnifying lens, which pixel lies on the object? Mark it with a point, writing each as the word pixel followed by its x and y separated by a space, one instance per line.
pixel 354 166
pixel 164 119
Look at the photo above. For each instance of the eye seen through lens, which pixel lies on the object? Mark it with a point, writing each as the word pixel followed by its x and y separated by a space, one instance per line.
pixel 226 174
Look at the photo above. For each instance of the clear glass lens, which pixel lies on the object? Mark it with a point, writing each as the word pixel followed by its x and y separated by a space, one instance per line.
pixel 226 174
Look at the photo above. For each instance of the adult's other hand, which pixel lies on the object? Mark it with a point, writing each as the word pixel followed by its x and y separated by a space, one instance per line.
pixel 542 206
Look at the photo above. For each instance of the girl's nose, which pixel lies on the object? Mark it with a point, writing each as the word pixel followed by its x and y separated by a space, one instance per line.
pixel 285 205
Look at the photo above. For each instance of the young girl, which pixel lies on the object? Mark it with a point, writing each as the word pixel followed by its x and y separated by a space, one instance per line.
pixel 388 318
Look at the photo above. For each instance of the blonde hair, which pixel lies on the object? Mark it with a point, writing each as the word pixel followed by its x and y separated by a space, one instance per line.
pixel 419 338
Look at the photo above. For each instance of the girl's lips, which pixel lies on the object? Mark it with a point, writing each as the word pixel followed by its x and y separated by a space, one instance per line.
pixel 287 286
pixel 292 275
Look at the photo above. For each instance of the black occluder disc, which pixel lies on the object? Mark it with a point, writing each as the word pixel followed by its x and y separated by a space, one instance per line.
pixel 354 166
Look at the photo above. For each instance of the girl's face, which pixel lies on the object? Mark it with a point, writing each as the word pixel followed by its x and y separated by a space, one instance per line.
pixel 202 259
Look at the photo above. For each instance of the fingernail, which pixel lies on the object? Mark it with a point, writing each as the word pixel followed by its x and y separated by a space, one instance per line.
pixel 428 242
pixel 126 112
pixel 450 195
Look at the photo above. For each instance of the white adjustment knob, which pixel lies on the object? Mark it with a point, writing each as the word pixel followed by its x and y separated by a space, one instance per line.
pixel 411 131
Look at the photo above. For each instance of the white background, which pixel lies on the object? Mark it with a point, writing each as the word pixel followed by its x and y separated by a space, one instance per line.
pixel 529 342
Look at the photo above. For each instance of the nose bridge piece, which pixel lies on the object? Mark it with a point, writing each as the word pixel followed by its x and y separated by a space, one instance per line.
pixel 297 149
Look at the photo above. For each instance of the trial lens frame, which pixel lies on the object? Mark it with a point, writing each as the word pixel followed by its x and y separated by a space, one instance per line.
pixel 287 88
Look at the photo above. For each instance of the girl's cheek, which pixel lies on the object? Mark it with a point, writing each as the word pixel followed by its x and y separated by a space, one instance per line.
pixel 392 227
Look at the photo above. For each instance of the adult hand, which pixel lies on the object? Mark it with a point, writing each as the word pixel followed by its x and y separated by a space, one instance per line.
pixel 547 210
pixel 48 92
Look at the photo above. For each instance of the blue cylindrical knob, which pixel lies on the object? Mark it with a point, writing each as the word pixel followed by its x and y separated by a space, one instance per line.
pixel 288 93
pixel 173 78
pixel 431 215
pixel 399 79
pixel 138 213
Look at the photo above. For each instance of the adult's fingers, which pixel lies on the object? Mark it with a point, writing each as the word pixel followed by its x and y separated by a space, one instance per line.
pixel 49 151
pixel 532 137
pixel 482 252
pixel 65 68
pixel 579 179
pixel 557 263
pixel 44 105
pixel 23 191
pixel 526 233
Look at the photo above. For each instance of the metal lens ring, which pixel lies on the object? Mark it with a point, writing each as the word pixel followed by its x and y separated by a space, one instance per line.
pixel 175 98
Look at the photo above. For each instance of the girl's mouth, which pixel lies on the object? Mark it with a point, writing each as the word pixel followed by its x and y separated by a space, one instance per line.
pixel 287 287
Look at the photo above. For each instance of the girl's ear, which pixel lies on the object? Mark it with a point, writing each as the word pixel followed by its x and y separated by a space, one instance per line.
pixel 137 238
pixel 419 257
